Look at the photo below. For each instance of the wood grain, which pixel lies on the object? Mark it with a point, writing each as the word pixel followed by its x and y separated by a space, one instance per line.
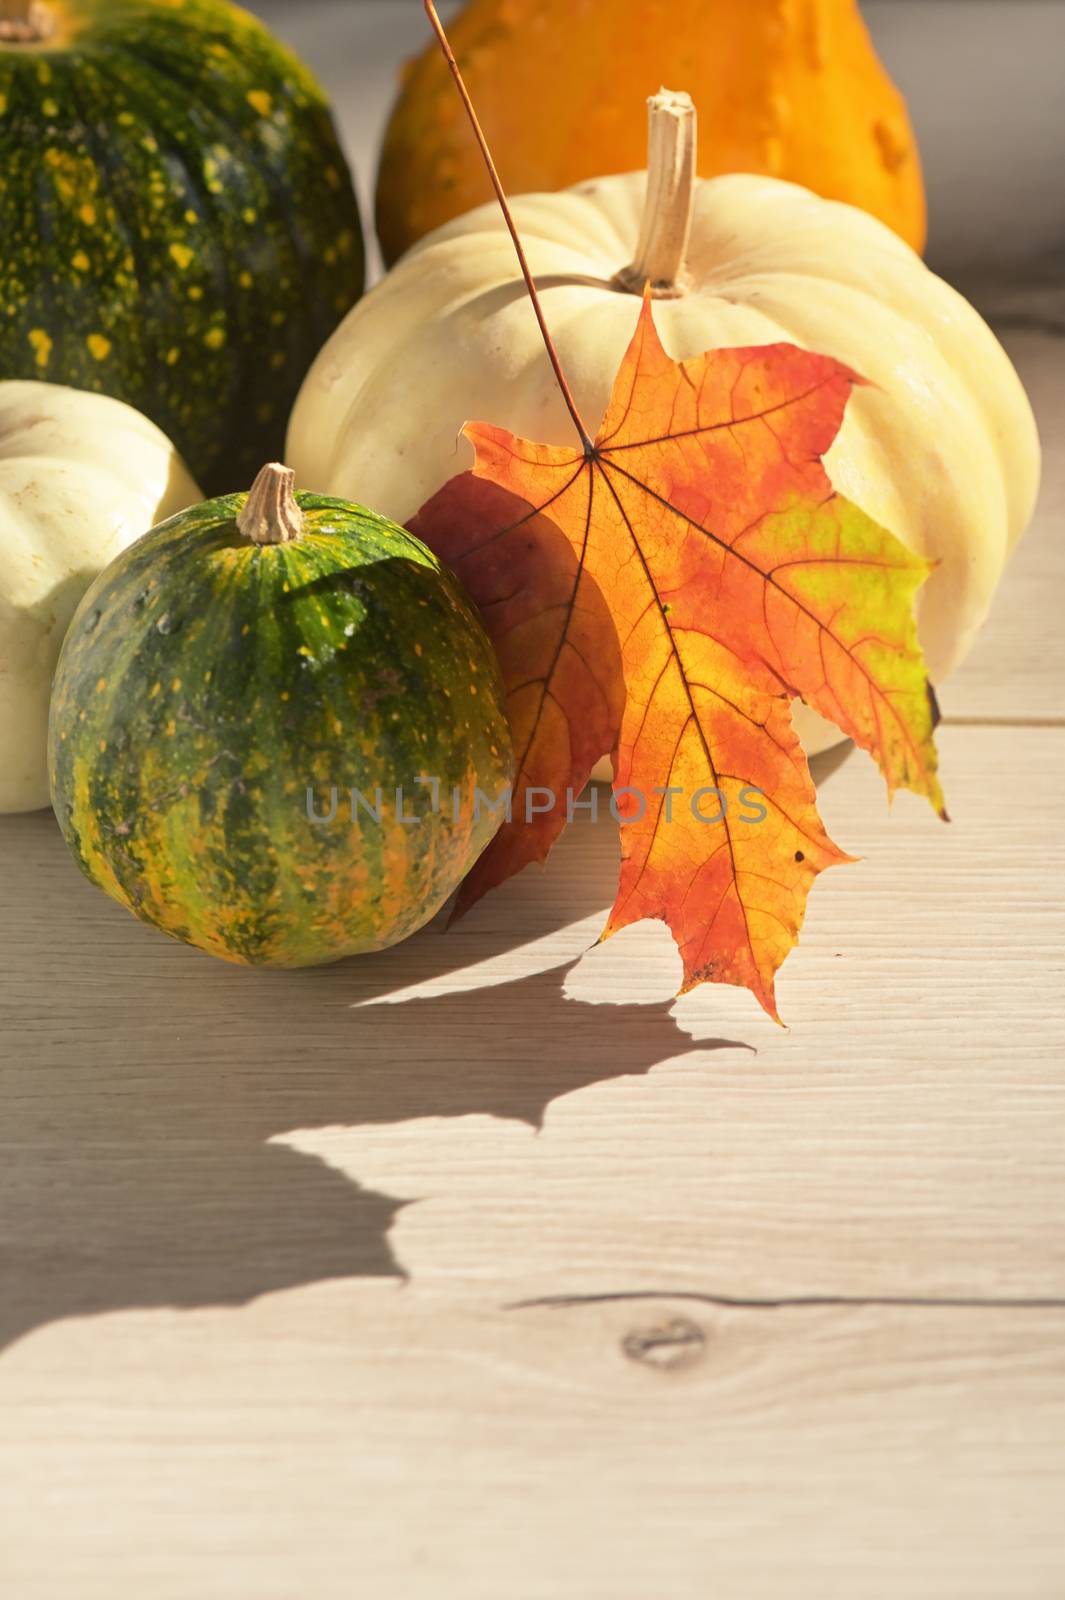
pixel 380 1441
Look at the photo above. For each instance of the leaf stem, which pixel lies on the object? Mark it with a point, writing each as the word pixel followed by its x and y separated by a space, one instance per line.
pixel 549 344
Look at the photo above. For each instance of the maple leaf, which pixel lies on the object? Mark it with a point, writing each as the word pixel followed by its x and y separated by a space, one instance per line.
pixel 661 595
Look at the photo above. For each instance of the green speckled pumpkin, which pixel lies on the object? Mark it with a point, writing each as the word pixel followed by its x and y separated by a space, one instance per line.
pixel 177 222
pixel 239 698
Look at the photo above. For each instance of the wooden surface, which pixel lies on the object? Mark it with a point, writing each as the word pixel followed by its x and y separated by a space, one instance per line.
pixel 485 1269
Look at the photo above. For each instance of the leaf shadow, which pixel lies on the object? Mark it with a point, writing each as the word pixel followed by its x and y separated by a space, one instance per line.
pixel 144 1087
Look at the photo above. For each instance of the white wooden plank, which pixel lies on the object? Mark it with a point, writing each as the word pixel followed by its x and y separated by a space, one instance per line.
pixel 367 1439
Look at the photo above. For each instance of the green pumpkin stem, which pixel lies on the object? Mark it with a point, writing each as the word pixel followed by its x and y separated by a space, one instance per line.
pixel 25 22
pixel 271 513
pixel 667 213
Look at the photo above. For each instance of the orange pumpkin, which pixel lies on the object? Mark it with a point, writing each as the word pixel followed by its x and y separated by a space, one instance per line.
pixel 788 88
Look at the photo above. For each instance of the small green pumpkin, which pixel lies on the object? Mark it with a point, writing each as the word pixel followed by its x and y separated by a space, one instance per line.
pixel 243 708
pixel 177 223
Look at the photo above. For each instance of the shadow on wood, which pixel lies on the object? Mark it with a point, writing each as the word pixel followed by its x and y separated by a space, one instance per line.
pixel 136 1167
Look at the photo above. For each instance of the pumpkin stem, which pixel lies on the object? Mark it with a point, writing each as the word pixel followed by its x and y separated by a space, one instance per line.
pixel 271 514
pixel 25 22
pixel 667 211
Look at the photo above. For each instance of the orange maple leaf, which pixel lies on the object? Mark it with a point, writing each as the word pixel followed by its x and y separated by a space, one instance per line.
pixel 661 595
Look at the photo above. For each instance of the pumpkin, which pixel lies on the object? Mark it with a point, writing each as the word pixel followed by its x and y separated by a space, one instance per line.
pixel 178 223
pixel 790 90
pixel 81 476
pixel 270 721
pixel 940 446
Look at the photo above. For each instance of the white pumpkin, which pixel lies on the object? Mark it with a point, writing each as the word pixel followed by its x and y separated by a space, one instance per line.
pixel 941 447
pixel 81 477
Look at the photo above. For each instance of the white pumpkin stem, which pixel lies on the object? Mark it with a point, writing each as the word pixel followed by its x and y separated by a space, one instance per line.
pixel 667 213
pixel 25 22
pixel 271 514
